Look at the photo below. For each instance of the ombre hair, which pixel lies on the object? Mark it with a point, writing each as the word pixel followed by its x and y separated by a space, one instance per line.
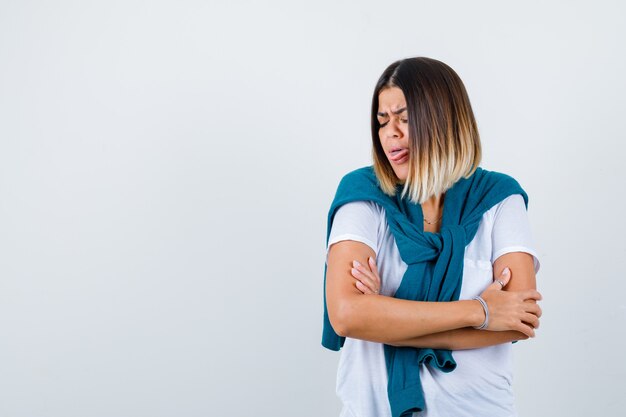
pixel 444 145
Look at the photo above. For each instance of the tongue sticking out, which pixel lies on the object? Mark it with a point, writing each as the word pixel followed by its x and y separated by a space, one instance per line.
pixel 399 154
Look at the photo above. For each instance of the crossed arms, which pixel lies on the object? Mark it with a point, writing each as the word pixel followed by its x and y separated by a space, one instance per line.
pixel 514 313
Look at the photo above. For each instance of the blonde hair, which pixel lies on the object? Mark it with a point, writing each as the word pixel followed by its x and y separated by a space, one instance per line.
pixel 444 144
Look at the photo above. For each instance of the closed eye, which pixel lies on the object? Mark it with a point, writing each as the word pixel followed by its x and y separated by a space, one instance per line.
pixel 385 124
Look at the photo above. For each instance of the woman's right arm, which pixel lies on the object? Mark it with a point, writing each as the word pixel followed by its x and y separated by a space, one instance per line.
pixel 389 320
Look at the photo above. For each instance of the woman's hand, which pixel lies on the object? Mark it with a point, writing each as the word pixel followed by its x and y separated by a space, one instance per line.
pixel 367 279
pixel 512 310
pixel 508 310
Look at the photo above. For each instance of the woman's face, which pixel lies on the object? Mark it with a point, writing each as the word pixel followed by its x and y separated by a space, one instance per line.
pixel 393 132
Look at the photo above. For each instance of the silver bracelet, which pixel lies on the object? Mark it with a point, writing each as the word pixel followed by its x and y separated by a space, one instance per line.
pixel 484 304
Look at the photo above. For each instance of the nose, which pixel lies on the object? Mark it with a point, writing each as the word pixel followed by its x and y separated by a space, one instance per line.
pixel 392 130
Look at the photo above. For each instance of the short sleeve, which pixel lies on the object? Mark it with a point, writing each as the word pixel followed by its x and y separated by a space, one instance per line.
pixel 356 220
pixel 511 230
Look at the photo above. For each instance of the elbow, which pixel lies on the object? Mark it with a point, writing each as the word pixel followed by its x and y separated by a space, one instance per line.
pixel 343 318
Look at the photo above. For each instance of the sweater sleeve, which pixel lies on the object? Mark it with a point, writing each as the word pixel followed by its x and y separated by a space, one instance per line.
pixel 511 230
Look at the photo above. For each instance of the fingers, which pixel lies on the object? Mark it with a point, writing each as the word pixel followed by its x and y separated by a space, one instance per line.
pixel 505 276
pixel 373 267
pixel 531 319
pixel 364 288
pixel 365 280
pixel 513 310
pixel 533 308
pixel 500 283
pixel 530 295
pixel 526 329
pixel 365 277
pixel 368 279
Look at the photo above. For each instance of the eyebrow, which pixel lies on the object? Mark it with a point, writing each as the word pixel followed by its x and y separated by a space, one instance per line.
pixel 382 114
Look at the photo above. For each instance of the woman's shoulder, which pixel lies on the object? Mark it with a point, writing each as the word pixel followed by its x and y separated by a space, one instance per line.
pixel 361 185
pixel 498 185
pixel 502 179
pixel 362 209
pixel 512 202
pixel 494 175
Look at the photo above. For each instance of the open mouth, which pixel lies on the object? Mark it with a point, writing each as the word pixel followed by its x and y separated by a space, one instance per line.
pixel 399 154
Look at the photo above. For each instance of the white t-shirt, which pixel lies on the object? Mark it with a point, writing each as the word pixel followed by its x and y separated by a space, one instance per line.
pixel 481 383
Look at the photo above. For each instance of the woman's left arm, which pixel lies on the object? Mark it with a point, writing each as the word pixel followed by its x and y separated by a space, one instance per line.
pixel 522 277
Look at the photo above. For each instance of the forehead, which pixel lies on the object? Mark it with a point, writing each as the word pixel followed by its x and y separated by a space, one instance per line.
pixel 390 99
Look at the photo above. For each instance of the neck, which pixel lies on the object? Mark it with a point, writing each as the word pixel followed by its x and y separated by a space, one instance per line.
pixel 434 204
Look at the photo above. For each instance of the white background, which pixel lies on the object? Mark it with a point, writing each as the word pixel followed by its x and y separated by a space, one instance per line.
pixel 166 170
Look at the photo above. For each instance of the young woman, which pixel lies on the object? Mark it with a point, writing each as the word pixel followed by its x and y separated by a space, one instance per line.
pixel 413 245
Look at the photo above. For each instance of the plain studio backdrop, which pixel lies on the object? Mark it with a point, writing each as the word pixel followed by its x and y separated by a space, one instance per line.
pixel 166 170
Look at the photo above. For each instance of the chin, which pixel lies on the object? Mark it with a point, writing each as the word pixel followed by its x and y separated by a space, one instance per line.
pixel 401 171
pixel 401 174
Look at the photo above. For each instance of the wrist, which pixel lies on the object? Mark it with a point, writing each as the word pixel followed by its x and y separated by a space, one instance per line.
pixel 483 303
pixel 476 313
